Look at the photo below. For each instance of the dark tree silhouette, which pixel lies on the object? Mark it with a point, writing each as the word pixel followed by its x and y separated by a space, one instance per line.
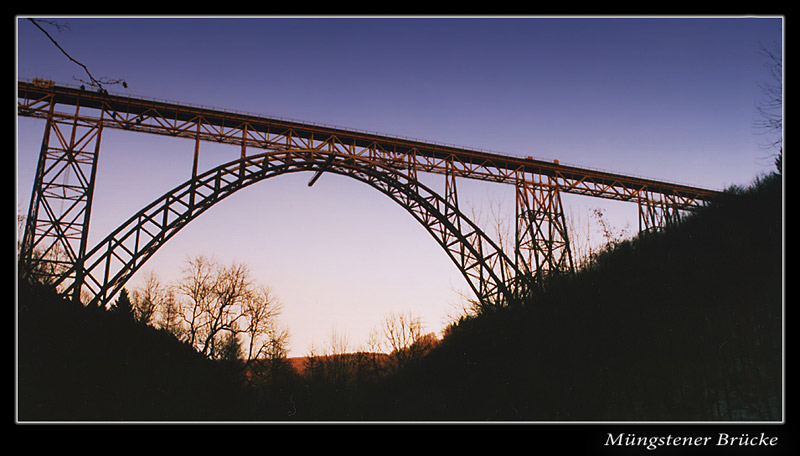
pixel 123 306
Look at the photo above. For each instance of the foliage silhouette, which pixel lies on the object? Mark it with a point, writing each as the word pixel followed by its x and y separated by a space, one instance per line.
pixel 80 363
pixel 679 325
pixel 123 306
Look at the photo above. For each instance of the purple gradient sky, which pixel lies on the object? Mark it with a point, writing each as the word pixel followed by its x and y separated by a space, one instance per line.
pixel 667 98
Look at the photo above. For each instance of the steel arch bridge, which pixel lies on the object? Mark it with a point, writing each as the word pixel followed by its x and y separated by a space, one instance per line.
pixel 54 247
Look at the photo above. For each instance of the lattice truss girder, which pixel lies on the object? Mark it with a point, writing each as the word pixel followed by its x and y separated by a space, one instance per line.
pixel 275 135
pixel 271 134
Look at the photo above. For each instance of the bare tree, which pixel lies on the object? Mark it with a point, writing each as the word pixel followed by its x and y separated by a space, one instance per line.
pixel 232 286
pixel 149 298
pixel 333 364
pixel 312 365
pixel 275 345
pixel 338 343
pixel 612 235
pixel 370 360
pixel 170 315
pixel 260 309
pixel 222 302
pixel 401 332
pixel 197 284
pixel 499 223
pixel 770 107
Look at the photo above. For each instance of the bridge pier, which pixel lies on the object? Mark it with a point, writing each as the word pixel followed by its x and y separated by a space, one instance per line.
pixel 57 225
pixel 542 239
pixel 656 212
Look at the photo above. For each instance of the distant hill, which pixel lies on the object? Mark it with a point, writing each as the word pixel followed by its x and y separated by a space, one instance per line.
pixel 300 363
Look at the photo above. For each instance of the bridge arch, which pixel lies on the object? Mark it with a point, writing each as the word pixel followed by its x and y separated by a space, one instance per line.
pixel 105 269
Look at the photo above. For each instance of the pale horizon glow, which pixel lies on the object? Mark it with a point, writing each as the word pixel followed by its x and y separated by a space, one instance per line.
pixel 671 99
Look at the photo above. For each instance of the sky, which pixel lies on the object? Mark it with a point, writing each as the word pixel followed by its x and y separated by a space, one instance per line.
pixel 668 98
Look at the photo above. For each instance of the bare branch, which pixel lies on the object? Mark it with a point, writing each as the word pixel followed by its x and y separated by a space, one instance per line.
pixel 770 107
pixel 93 81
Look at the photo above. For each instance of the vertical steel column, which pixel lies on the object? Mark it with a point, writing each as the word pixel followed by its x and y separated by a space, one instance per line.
pixel 57 227
pixel 195 160
pixel 243 153
pixel 450 194
pixel 542 240
pixel 451 213
pixel 412 166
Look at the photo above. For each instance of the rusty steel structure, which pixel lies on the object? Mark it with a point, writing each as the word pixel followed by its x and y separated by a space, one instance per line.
pixel 54 246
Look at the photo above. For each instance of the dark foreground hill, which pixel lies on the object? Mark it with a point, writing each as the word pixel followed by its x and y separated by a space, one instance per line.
pixel 683 325
pixel 82 364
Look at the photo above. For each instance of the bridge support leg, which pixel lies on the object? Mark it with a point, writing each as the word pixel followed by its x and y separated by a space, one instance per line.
pixel 656 212
pixel 542 239
pixel 57 224
pixel 451 195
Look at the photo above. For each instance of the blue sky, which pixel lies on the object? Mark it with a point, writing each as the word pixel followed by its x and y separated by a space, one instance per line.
pixel 666 98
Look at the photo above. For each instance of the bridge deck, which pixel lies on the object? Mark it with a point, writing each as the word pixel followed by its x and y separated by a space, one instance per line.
pixel 237 128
